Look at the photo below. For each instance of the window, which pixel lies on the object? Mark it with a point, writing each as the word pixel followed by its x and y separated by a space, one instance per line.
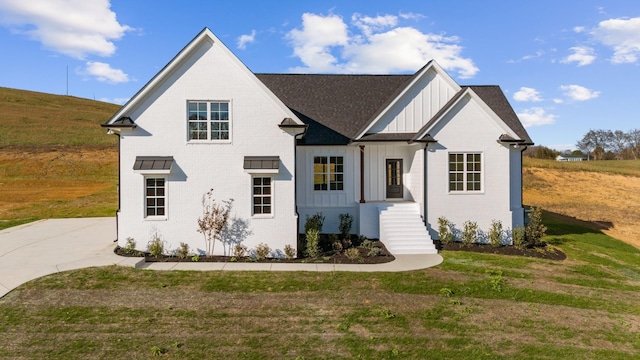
pixel 261 195
pixel 155 196
pixel 328 173
pixel 465 172
pixel 208 120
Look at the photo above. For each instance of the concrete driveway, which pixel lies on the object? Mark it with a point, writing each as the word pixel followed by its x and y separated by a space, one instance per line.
pixel 46 247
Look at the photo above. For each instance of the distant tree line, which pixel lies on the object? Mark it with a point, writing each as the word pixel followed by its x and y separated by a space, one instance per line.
pixel 597 145
pixel 609 145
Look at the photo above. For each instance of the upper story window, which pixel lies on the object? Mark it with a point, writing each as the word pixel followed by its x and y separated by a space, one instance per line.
pixel 208 120
pixel 465 172
pixel 328 173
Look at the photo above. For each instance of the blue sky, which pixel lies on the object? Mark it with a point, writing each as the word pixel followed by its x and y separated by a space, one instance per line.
pixel 565 66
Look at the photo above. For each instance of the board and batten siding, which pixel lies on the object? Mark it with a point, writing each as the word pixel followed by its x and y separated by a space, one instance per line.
pixel 417 106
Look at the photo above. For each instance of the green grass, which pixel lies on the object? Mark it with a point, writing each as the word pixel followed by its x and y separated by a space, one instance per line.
pixel 33 119
pixel 620 167
pixel 497 307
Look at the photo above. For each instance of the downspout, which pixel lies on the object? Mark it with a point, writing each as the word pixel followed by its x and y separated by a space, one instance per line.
pixel 295 181
pixel 119 181
pixel 522 181
pixel 424 186
pixel 362 201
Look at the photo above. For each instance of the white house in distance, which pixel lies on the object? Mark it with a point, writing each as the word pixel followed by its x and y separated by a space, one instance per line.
pixel 395 151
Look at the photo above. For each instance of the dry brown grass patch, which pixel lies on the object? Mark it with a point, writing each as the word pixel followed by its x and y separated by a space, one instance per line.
pixel 609 201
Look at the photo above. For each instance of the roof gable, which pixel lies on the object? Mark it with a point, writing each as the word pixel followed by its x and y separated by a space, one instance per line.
pixel 205 37
pixel 431 80
pixel 492 100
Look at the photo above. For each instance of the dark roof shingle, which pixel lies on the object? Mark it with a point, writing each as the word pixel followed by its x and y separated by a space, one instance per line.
pixel 337 107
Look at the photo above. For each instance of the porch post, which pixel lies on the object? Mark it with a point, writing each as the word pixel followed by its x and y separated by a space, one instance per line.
pixel 362 174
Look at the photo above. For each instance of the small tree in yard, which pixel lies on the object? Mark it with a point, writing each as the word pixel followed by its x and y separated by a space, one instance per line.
pixel 444 230
pixel 495 233
pixel 535 230
pixel 469 232
pixel 213 220
pixel 346 221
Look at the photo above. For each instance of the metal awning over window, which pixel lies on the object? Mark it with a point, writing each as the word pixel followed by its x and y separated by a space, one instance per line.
pixel 153 164
pixel 261 164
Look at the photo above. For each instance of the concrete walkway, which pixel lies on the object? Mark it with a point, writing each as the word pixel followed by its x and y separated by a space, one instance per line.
pixel 46 247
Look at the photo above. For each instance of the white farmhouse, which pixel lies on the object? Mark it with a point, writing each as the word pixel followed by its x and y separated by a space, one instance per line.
pixel 395 151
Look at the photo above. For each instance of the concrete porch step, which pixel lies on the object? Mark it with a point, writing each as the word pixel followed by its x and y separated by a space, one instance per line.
pixel 403 231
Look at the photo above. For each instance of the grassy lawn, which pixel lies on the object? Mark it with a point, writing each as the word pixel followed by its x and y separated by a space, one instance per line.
pixel 472 306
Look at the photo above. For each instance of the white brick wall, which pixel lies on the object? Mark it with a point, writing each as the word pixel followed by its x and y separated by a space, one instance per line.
pixel 209 73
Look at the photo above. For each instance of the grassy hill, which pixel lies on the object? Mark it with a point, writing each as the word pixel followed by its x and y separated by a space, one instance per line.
pixel 55 159
pixel 36 120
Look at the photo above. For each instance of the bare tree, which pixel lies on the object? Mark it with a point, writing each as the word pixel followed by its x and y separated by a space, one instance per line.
pixel 587 144
pixel 619 142
pixel 214 219
pixel 634 142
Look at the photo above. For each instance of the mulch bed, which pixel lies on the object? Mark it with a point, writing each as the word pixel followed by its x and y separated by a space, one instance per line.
pixel 539 252
pixel 327 257
pixel 338 257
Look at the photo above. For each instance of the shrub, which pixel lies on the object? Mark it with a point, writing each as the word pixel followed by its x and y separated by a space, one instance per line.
pixel 314 222
pixel 155 247
pixel 347 243
pixel 374 251
pixel 239 251
pixel 289 252
pixel 352 253
pixel 444 230
pixel 130 247
pixel 495 233
pixel 313 248
pixel 469 232
pixel 337 245
pixel 517 236
pixel 367 244
pixel 535 230
pixel 346 221
pixel 262 251
pixel 183 251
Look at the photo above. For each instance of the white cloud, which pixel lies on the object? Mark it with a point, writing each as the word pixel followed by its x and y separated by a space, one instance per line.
pixel 72 27
pixel 538 54
pixel 314 42
pixel 579 93
pixel 583 55
pixel 119 101
pixel 536 116
pixel 527 94
pixel 579 29
pixel 372 45
pixel 105 73
pixel 245 39
pixel 623 36
pixel 558 101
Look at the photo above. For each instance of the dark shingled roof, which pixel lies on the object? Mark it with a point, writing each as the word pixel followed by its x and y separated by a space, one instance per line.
pixel 337 107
